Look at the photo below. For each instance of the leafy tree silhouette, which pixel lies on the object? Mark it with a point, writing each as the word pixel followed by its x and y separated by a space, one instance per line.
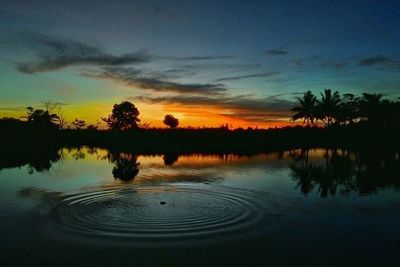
pixel 124 116
pixel 171 121
pixel 41 118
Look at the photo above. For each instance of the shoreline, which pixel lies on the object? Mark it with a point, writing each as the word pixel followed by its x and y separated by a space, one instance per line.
pixel 207 140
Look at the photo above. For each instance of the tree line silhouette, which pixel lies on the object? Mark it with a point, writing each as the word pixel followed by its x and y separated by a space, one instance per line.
pixel 332 108
pixel 124 116
pixel 350 121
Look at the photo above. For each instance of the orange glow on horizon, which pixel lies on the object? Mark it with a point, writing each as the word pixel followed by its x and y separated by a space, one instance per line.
pixel 153 114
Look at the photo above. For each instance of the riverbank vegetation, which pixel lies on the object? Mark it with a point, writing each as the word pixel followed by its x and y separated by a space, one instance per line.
pixel 333 120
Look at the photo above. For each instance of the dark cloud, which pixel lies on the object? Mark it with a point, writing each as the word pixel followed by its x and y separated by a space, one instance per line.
pixel 308 60
pixel 332 63
pixel 195 58
pixel 152 81
pixel 53 54
pixel 260 117
pixel 283 50
pixel 375 60
pixel 56 53
pixel 303 41
pixel 243 106
pixel 320 62
pixel 240 77
pixel 380 60
pixel 231 67
pixel 276 52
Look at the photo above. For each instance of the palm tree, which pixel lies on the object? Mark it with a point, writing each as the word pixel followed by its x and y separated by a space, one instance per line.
pixel 306 108
pixel 348 109
pixel 370 107
pixel 329 105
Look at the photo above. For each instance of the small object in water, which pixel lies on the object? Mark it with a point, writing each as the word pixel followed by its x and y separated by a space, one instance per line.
pixel 162 203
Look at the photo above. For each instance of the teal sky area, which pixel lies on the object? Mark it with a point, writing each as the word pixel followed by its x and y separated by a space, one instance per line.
pixel 208 62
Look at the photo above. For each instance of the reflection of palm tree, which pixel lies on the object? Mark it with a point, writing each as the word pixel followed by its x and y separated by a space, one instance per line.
pixel 302 172
pixel 329 105
pixel 335 171
pixel 303 175
pixel 306 109
pixel 363 172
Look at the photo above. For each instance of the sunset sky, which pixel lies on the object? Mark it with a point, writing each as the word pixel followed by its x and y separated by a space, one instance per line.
pixel 206 62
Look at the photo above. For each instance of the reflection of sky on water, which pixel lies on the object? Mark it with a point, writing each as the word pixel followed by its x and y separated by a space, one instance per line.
pixel 272 172
pixel 79 168
pixel 207 195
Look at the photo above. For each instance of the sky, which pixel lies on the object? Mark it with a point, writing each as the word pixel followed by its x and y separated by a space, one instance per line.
pixel 206 62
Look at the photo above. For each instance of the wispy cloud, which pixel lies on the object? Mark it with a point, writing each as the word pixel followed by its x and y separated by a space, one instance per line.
pixel 276 52
pixel 284 49
pixel 320 61
pixel 243 107
pixel 240 77
pixel 153 82
pixel 53 54
pixel 196 58
pixel 380 60
pixel 56 53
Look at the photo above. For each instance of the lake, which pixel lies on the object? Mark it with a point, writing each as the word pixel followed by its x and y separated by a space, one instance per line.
pixel 88 206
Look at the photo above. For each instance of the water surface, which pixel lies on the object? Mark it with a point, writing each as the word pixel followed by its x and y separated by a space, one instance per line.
pixel 95 207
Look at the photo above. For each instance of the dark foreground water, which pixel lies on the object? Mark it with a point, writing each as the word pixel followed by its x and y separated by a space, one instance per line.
pixel 297 208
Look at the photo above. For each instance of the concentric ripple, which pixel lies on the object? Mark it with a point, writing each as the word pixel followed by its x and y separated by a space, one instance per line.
pixel 158 213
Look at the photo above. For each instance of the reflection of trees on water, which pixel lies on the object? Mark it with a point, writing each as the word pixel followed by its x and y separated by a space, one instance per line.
pixel 36 160
pixel 363 172
pixel 126 166
pixel 170 159
pixel 332 171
